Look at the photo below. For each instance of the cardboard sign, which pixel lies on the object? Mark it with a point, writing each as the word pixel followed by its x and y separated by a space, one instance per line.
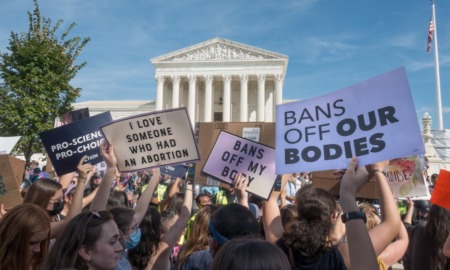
pixel 441 192
pixel 207 137
pixel 406 177
pixel 7 144
pixel 374 120
pixel 152 140
pixel 177 171
pixel 232 154
pixel 11 172
pixel 67 144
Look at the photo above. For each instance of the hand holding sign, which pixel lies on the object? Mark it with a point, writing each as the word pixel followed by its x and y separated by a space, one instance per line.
pixel 84 169
pixel 354 178
pixel 240 185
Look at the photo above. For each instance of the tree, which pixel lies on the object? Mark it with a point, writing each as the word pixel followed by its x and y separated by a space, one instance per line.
pixel 36 80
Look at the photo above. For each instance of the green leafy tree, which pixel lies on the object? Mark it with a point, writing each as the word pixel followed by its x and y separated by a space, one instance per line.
pixel 36 75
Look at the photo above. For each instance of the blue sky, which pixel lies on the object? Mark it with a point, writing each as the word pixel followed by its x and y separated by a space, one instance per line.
pixel 330 44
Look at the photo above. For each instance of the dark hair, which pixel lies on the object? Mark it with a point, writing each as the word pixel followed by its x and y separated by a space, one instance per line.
pixel 176 202
pixel 288 214
pixel 197 199
pixel 140 256
pixel 437 230
pixel 250 254
pixel 117 198
pixel 84 229
pixel 310 233
pixel 234 220
pixel 123 216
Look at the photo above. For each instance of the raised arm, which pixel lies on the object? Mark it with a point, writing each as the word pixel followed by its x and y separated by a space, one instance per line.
pixel 101 199
pixel 395 250
pixel 65 179
pixel 161 258
pixel 446 248
pixel 273 227
pixel 144 200
pixel 173 189
pixel 360 249
pixel 409 212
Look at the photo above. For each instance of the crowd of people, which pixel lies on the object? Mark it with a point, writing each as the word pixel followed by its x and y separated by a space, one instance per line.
pixel 147 220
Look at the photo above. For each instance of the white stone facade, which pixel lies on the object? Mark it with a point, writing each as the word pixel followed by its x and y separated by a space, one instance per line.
pixel 221 80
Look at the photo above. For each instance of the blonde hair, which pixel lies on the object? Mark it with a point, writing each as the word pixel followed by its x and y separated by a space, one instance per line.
pixel 41 192
pixel 16 228
pixel 371 214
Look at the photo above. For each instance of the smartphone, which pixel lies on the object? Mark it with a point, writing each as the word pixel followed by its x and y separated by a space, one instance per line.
pixel 277 185
pixel 190 174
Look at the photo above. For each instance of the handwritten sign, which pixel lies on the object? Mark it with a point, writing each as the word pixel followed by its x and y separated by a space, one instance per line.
pixel 152 140
pixel 233 154
pixel 67 144
pixel 374 120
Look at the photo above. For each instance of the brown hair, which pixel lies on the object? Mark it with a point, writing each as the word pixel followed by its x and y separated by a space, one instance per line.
pixel 123 216
pixel 198 239
pixel 41 192
pixel 16 228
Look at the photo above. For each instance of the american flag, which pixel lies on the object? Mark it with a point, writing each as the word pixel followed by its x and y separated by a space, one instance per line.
pixel 430 35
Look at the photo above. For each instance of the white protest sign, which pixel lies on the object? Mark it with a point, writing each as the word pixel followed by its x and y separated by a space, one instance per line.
pixel 406 177
pixel 374 120
pixel 233 154
pixel 7 144
pixel 152 140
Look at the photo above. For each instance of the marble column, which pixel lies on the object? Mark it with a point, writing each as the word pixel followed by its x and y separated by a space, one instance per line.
pixel 278 89
pixel 159 92
pixel 191 99
pixel 176 91
pixel 208 98
pixel 244 97
pixel 226 98
pixel 261 97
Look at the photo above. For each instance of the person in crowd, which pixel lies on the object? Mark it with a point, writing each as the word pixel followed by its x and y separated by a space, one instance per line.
pixel 211 190
pixel 225 196
pixel 250 254
pixel 309 241
pixel 158 257
pixel 395 250
pixel 228 222
pixel 93 184
pixel 427 239
pixel 34 176
pixel 48 194
pixel 198 239
pixel 290 190
pixel 24 237
pixel 417 212
pixel 68 198
pixel 91 240
pixel 201 200
pixel 117 198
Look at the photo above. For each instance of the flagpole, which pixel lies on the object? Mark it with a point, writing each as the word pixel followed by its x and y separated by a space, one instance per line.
pixel 436 68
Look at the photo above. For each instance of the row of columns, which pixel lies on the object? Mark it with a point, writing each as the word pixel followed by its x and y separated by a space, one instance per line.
pixel 243 116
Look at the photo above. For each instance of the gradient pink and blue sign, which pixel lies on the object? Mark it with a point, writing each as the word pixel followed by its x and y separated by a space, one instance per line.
pixel 233 154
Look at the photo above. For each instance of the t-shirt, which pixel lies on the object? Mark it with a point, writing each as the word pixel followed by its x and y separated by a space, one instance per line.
pixel 327 260
pixel 199 260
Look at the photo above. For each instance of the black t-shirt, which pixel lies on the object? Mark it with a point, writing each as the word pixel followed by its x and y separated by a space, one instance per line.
pixel 331 259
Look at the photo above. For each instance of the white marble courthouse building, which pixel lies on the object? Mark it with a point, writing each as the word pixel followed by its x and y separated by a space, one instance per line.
pixel 221 80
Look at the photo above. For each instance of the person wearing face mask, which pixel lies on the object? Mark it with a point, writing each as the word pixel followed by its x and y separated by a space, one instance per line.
pixel 48 194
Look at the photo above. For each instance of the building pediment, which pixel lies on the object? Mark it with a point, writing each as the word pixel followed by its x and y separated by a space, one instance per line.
pixel 218 50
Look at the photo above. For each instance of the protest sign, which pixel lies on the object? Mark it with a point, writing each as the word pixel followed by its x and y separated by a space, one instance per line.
pixel 7 144
pixel 233 154
pixel 152 140
pixel 67 144
pixel 441 192
pixel 11 172
pixel 209 132
pixel 176 171
pixel 374 120
pixel 406 177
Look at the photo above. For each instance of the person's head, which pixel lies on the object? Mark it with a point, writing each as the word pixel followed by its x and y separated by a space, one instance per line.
pixel 288 214
pixel 422 209
pixel 117 198
pixel 250 254
pixel 176 202
pixel 202 199
pixel 139 256
pixel 95 181
pixel 434 178
pixel 437 230
pixel 230 221
pixel 373 219
pixel 89 241
pixel 168 218
pixel 24 237
pixel 317 213
pixel 128 225
pixel 47 194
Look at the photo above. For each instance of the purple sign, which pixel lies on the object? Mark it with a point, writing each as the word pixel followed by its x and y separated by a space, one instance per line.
pixel 232 154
